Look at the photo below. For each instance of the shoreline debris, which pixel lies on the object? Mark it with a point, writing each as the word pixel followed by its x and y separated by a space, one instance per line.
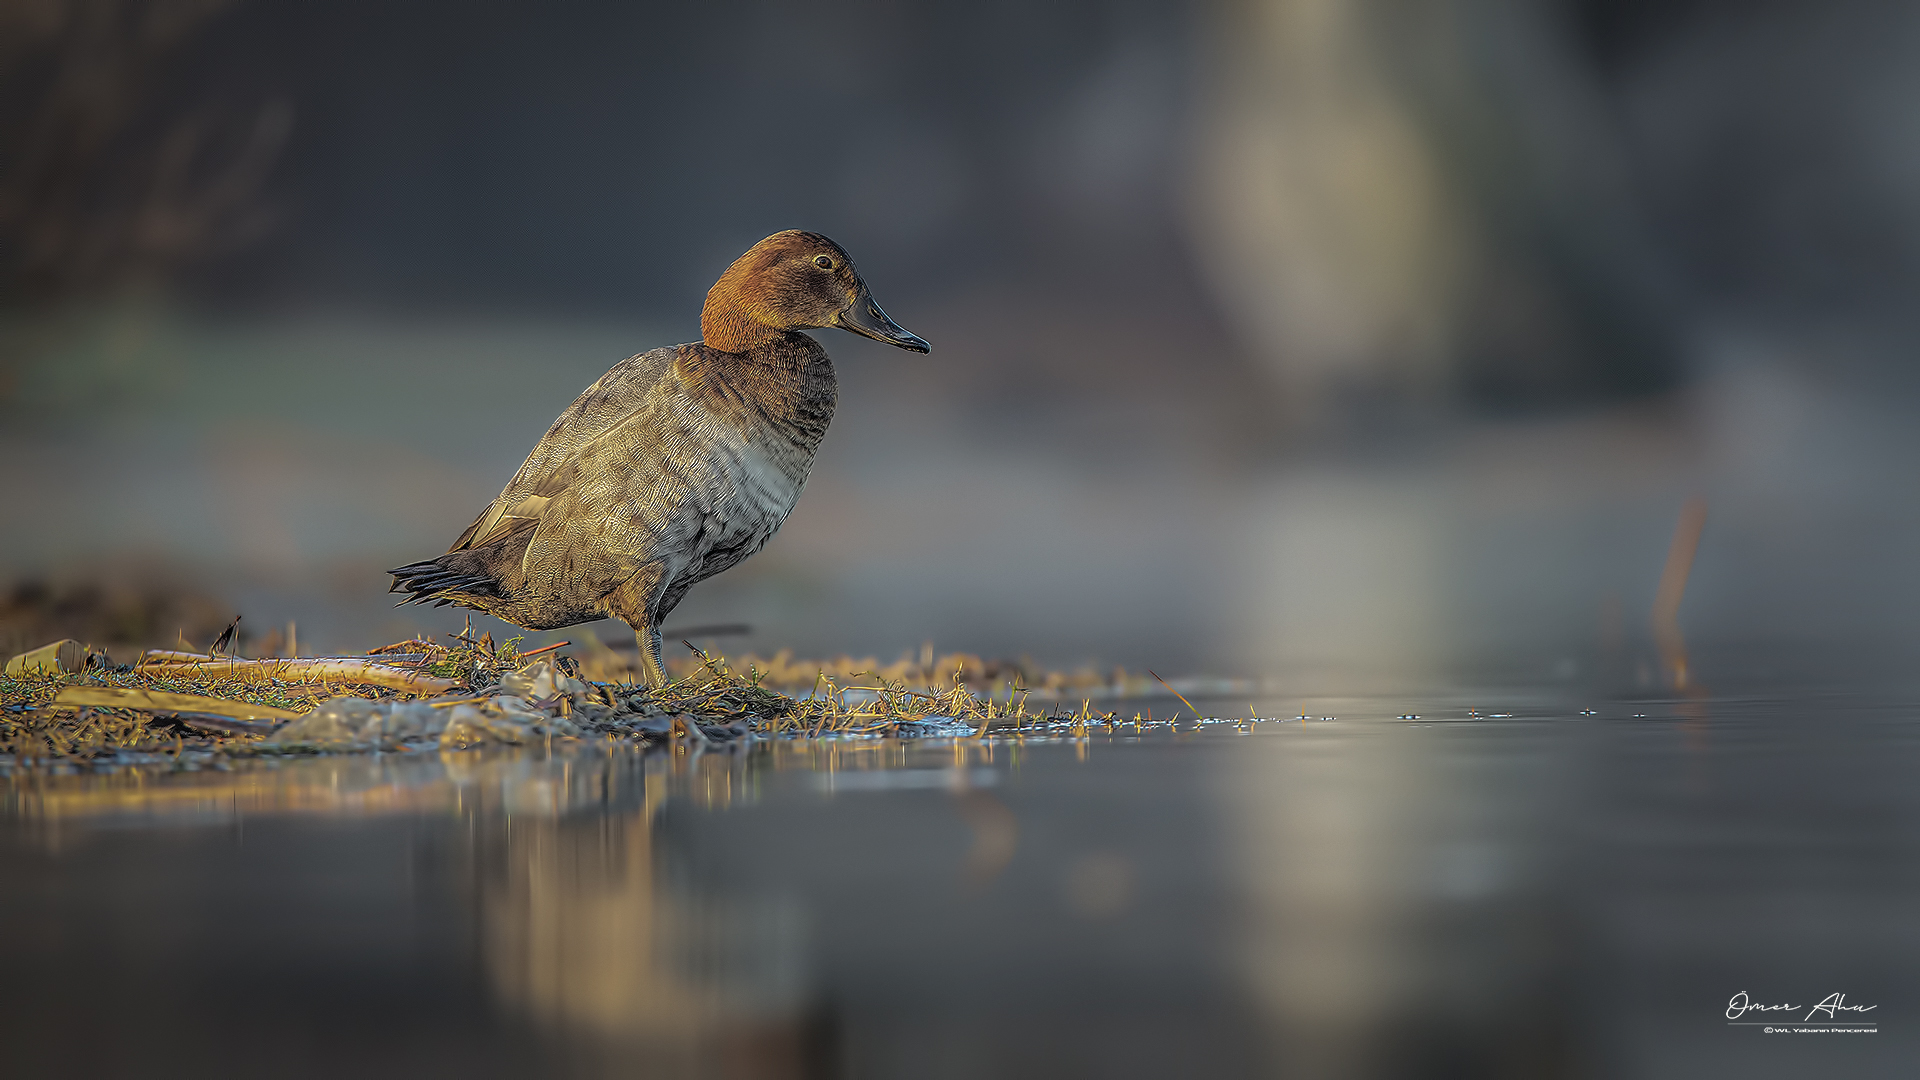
pixel 184 710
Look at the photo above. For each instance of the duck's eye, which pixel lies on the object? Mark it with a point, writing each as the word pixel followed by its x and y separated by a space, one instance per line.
pixel 823 262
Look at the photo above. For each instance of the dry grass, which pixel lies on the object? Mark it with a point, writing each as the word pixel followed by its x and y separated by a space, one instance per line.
pixel 863 702
pixel 32 734
pixel 921 670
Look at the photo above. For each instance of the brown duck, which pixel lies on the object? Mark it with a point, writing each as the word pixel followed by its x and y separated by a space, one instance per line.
pixel 675 465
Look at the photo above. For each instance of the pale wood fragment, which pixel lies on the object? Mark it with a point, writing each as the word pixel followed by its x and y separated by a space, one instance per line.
pixel 338 670
pixel 117 697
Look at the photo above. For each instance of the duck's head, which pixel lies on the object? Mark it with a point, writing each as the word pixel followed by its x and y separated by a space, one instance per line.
pixel 794 281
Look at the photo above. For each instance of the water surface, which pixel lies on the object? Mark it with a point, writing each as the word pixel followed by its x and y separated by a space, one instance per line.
pixel 1519 884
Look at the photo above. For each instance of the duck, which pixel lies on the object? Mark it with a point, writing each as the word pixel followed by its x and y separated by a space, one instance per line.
pixel 675 465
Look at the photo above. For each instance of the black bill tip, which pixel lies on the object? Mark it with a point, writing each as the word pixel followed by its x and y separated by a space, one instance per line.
pixel 865 318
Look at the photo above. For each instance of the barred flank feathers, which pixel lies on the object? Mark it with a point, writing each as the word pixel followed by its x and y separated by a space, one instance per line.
pixel 434 582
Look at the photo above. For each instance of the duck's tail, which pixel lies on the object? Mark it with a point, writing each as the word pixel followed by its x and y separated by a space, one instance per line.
pixel 457 577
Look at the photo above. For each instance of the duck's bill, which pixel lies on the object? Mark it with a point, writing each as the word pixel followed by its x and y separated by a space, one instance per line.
pixel 866 319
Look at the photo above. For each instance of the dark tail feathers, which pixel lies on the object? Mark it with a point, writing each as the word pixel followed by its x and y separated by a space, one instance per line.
pixel 436 582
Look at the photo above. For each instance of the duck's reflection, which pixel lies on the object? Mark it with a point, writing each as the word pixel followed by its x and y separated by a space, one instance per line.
pixel 588 931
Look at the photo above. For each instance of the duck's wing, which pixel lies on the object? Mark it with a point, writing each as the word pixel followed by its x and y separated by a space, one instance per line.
pixel 553 466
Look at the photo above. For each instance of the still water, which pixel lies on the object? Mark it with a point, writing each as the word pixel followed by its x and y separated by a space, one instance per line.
pixel 1517 884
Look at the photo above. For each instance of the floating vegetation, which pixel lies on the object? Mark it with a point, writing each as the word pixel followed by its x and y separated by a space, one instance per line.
pixel 920 669
pixel 873 705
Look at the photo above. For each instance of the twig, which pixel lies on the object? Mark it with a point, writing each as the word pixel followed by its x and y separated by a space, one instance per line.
pixel 1176 693
pixel 546 649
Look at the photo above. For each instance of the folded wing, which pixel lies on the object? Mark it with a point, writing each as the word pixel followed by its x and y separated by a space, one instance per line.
pixel 553 466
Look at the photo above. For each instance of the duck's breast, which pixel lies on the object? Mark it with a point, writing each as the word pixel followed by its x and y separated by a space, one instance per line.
pixel 759 421
pixel 752 479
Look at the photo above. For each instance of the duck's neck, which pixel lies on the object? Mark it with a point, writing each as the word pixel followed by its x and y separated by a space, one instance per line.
pixel 736 316
pixel 731 328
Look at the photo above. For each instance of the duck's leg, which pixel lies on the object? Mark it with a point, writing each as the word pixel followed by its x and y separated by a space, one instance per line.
pixel 652 669
pixel 636 602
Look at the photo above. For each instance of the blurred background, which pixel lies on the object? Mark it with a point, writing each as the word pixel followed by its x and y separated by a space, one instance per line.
pixel 1350 337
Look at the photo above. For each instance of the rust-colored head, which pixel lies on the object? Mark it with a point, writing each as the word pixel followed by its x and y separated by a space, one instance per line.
pixel 794 281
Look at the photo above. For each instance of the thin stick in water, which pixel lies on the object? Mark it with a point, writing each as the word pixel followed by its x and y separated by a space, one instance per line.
pixel 1176 693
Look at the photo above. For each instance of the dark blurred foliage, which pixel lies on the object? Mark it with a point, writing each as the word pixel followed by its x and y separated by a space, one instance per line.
pixel 126 613
pixel 605 157
pixel 116 175
pixel 1591 173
